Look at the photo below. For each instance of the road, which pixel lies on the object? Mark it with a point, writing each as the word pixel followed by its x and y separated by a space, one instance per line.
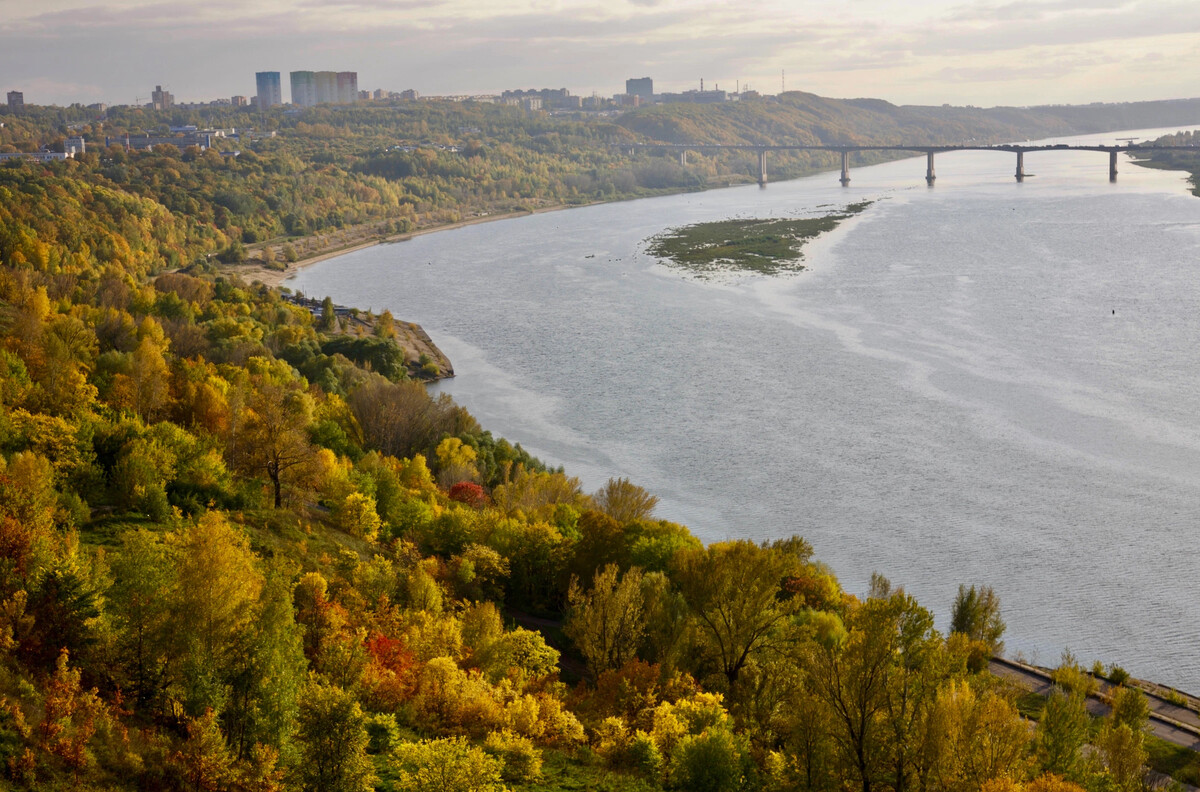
pixel 1175 724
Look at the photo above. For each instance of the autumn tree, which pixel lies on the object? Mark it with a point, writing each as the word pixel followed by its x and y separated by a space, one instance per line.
pixel 624 501
pixel 270 436
pixel 217 587
pixel 605 623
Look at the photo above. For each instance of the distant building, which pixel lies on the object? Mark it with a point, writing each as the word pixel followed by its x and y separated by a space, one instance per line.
pixel 327 87
pixel 239 101
pixel 628 100
pixel 270 91
pixel 162 100
pixel 16 101
pixel 347 88
pixel 548 98
pixel 641 86
pixel 695 97
pixel 304 88
pixel 75 145
pixel 324 87
pixel 201 140
pixel 410 95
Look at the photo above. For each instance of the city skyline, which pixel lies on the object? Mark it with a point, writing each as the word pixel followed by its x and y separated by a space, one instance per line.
pixel 1024 52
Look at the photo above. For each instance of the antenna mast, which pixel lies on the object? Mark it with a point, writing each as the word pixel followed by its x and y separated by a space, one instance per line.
pixel 782 81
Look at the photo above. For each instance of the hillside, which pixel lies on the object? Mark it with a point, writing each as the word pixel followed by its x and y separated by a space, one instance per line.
pixel 242 548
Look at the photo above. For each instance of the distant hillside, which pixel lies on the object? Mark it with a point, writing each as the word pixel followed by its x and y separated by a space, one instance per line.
pixel 806 118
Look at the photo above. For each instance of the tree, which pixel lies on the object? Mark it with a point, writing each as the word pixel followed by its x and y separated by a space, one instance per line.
pixel 140 605
pixel 1061 733
pixel 267 674
pixel 1123 752
pixel 328 315
pixel 1130 707
pixel 976 614
pixel 874 683
pixel 606 623
pixel 217 587
pixel 204 757
pixel 624 501
pixel 333 741
pixel 271 435
pixel 735 597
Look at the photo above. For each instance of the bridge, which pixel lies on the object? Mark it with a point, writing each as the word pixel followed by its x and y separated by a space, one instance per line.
pixel 928 151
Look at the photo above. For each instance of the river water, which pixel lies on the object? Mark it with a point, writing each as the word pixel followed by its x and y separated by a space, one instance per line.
pixel 985 382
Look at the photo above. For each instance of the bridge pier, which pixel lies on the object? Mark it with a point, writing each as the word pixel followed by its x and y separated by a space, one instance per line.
pixel 930 177
pixel 845 180
pixel 762 167
pixel 683 158
pixel 1020 166
pixel 1112 166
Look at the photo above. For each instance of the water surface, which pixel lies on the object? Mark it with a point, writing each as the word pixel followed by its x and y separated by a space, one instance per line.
pixel 984 382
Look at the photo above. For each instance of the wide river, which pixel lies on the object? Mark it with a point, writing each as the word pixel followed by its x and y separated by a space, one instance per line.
pixel 984 382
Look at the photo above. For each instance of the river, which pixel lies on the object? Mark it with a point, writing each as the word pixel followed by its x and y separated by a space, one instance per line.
pixel 984 382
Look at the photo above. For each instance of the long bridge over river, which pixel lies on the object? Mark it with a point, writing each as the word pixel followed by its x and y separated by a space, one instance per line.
pixel 928 151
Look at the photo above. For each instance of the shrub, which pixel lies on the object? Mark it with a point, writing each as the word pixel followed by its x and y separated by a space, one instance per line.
pixel 447 765
pixel 470 493
pixel 522 761
pixel 710 762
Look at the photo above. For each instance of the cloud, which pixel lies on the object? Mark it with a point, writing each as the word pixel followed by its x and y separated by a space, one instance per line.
pixel 928 50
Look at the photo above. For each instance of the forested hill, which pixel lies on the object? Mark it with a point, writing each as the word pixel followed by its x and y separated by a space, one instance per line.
pixel 241 548
pixel 807 118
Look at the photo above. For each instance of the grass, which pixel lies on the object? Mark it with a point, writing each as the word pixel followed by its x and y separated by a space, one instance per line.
pixel 768 246
pixel 1176 761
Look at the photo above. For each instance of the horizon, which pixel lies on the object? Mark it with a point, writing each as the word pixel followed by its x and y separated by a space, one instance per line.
pixel 1025 53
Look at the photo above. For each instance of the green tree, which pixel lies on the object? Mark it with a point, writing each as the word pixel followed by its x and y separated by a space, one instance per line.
pixel 1123 752
pixel 1130 707
pixel 976 614
pixel 217 589
pixel 139 603
pixel 333 742
pixel 328 319
pixel 267 674
pixel 1061 734
pixel 734 593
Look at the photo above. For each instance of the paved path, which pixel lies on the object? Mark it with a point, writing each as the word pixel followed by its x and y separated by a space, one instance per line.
pixel 1175 724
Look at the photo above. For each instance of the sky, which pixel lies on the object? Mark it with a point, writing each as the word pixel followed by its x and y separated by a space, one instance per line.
pixel 1009 52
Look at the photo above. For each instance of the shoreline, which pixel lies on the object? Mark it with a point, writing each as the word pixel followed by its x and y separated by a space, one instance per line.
pixel 273 278
pixel 277 278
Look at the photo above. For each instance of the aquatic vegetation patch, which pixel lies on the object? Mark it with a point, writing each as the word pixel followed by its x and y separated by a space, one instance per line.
pixel 766 246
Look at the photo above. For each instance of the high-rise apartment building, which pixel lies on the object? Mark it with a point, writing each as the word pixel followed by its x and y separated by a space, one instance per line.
pixel 643 87
pixel 270 92
pixel 327 92
pixel 347 87
pixel 16 101
pixel 162 100
pixel 304 88
pixel 324 87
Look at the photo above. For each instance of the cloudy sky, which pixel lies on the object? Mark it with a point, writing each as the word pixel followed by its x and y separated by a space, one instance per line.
pixel 1019 52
